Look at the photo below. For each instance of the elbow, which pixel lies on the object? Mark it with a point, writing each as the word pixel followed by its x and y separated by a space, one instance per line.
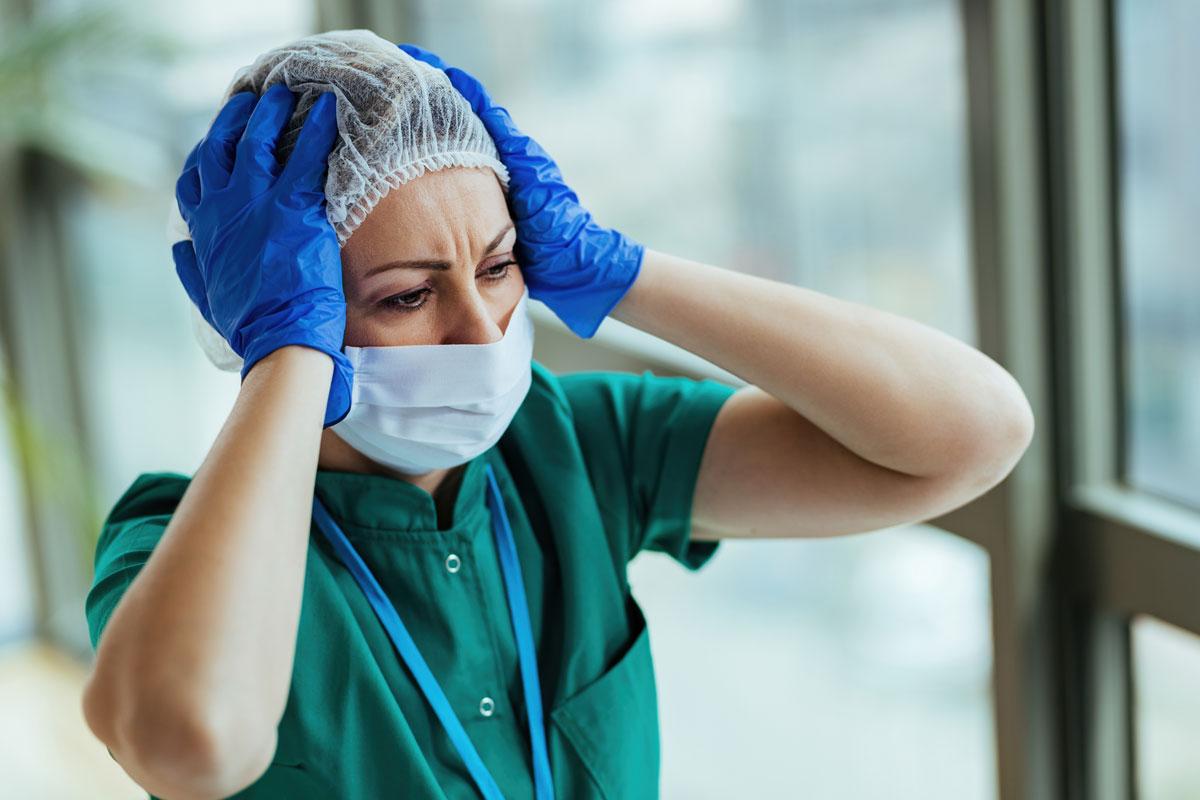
pixel 172 752
pixel 1017 434
pixel 1011 438
pixel 198 757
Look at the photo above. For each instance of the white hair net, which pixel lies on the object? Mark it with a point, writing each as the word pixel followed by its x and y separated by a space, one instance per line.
pixel 397 118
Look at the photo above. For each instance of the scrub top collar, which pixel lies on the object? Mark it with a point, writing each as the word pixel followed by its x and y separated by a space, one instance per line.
pixel 381 503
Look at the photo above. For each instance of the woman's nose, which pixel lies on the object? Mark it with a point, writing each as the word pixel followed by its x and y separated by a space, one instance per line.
pixel 474 322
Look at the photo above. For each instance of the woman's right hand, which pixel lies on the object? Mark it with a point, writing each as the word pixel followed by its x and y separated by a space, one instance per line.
pixel 263 265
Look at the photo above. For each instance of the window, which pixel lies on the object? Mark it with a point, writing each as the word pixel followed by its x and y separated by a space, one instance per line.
pixel 850 667
pixel 1166 672
pixel 817 143
pixel 1159 176
pixel 1126 362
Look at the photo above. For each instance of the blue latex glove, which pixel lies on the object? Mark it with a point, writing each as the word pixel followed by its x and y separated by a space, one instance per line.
pixel 576 267
pixel 263 265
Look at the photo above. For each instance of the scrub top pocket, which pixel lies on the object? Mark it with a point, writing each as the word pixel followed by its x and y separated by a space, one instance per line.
pixel 619 746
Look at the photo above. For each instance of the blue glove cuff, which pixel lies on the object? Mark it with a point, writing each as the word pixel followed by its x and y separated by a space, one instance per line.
pixel 583 298
pixel 337 405
pixel 340 390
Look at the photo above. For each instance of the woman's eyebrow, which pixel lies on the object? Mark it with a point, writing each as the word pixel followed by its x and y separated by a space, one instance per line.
pixel 434 264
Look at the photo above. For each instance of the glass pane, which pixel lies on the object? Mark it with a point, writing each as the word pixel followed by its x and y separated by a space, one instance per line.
pixel 814 142
pixel 1166 663
pixel 16 578
pixel 154 401
pixel 862 662
pixel 1159 175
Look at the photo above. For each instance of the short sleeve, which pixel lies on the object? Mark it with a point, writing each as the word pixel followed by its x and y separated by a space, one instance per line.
pixel 642 437
pixel 127 538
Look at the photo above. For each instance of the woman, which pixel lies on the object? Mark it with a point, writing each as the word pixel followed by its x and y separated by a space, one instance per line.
pixel 400 570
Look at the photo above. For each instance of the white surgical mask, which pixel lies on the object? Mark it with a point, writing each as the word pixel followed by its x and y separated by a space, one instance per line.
pixel 417 408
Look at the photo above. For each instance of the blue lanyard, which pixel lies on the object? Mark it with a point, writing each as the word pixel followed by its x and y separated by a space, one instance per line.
pixel 400 637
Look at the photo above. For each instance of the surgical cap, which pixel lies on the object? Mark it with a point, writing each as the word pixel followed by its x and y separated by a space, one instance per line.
pixel 397 117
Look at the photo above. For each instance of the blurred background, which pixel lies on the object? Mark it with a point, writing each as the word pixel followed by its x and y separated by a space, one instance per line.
pixel 1021 175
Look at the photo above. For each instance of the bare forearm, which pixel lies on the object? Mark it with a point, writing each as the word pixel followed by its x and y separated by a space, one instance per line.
pixel 199 651
pixel 896 392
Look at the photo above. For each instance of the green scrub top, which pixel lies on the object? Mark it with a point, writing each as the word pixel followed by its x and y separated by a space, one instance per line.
pixel 595 467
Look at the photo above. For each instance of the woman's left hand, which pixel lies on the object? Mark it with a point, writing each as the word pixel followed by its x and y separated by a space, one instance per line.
pixel 576 267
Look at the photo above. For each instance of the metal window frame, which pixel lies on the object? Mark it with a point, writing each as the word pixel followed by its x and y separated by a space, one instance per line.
pixel 1018 521
pixel 1045 197
pixel 41 340
pixel 1139 553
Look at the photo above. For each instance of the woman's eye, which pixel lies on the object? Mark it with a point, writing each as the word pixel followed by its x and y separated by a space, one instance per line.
pixel 404 302
pixel 493 275
pixel 408 300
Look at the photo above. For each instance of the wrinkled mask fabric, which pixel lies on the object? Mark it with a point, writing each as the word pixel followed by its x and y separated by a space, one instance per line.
pixel 417 408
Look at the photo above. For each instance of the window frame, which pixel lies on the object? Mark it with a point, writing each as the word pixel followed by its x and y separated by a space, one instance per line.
pixel 1134 552
pixel 1045 96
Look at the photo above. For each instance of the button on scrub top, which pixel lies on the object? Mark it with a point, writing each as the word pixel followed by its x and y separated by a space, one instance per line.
pixel 594 468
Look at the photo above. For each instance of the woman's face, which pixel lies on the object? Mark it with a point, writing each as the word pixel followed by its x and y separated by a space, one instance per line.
pixel 433 264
